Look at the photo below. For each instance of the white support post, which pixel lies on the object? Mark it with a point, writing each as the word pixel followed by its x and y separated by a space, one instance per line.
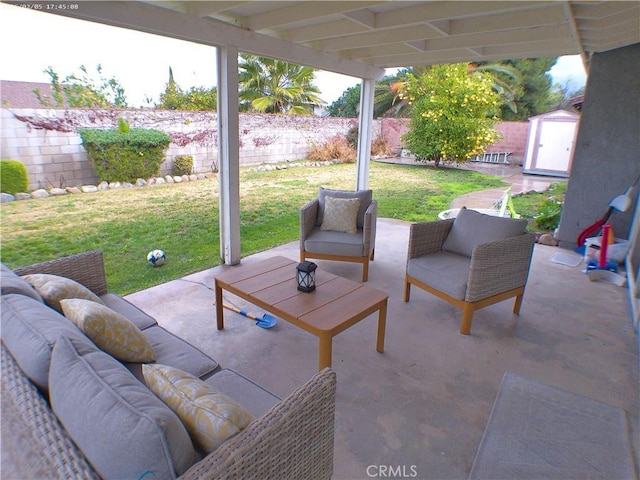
pixel 228 154
pixel 365 128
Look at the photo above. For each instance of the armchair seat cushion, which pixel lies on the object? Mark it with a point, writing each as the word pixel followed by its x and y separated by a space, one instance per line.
pixel 446 271
pixel 335 243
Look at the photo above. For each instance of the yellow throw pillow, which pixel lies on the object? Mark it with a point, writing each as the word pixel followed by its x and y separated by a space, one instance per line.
pixel 110 331
pixel 340 214
pixel 210 417
pixel 54 288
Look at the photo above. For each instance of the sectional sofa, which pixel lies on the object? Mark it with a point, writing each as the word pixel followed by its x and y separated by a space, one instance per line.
pixel 74 406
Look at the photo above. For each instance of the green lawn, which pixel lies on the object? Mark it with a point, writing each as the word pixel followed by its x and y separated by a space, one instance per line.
pixel 182 219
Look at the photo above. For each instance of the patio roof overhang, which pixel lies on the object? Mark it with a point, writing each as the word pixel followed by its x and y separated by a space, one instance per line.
pixel 360 39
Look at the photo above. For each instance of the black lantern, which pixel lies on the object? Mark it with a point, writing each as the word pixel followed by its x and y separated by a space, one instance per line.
pixel 306 276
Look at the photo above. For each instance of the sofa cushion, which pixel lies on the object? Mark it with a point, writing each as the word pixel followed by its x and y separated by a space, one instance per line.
pixel 210 416
pixel 175 352
pixel 335 243
pixel 255 398
pixel 109 330
pixel 365 197
pixel 471 228
pixel 129 310
pixel 340 214
pixel 30 329
pixel 123 429
pixel 12 283
pixel 449 271
pixel 54 288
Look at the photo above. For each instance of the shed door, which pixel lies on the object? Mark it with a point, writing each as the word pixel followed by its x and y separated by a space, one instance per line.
pixel 555 145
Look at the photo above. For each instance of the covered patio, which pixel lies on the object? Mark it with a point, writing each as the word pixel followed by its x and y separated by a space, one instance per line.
pixel 425 401
pixel 422 404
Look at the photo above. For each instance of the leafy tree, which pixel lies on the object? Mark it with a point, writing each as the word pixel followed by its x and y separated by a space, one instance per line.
pixel 83 91
pixel 273 86
pixel 386 101
pixel 506 81
pixel 197 98
pixel 452 113
pixel 534 95
pixel 348 105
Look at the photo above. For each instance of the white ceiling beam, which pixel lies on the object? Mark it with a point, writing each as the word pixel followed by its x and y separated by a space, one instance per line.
pixel 160 21
pixel 495 38
pixel 204 9
pixel 445 10
pixel 322 31
pixel 612 21
pixel 419 58
pixel 383 50
pixel 575 33
pixel 550 47
pixel 419 32
pixel 597 10
pixel 362 16
pixel 595 40
pixel 550 15
pixel 299 12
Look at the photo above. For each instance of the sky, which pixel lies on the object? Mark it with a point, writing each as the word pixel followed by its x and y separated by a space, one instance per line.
pixel 32 41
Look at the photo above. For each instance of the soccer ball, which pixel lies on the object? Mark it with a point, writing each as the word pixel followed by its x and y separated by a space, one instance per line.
pixel 156 258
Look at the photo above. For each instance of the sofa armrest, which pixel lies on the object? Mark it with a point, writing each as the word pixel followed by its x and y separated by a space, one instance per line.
pixel 293 440
pixel 499 266
pixel 427 237
pixel 308 217
pixel 369 227
pixel 86 268
pixel 34 443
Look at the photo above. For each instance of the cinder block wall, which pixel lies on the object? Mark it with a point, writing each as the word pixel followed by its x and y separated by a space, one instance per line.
pixel 514 140
pixel 47 142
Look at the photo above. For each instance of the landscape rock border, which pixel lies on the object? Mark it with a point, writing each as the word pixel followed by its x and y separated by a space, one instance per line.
pixel 167 179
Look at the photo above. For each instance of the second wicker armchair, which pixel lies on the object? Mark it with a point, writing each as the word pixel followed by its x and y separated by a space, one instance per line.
pixel 472 261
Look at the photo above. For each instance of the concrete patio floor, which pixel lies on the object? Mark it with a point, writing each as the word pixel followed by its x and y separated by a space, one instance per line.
pixel 422 405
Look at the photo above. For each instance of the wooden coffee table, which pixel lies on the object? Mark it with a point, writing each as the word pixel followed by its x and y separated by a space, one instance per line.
pixel 336 304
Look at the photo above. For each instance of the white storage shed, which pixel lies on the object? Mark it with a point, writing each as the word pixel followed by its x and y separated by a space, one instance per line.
pixel 550 143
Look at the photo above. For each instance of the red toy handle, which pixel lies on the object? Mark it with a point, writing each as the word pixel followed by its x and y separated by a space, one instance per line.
pixel 604 244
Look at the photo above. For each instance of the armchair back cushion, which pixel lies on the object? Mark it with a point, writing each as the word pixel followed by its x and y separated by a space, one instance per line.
pixel 365 197
pixel 471 228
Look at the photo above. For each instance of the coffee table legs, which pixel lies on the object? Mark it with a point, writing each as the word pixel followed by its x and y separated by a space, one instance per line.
pixel 326 346
pixel 326 339
pixel 219 307
pixel 382 323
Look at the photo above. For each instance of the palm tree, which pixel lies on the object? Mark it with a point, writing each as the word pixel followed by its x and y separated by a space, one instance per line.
pixel 506 80
pixel 273 86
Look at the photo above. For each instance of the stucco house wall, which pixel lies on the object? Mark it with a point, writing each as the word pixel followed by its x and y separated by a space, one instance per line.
pixel 606 158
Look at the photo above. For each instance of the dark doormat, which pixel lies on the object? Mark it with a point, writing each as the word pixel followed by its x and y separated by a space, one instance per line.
pixel 537 431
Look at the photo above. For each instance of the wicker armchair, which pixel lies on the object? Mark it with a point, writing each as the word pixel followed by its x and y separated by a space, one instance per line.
pixel 496 268
pixel 358 247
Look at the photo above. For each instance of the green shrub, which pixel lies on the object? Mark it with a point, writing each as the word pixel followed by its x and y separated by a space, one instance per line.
pixel 125 156
pixel 13 177
pixel 548 217
pixel 182 164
